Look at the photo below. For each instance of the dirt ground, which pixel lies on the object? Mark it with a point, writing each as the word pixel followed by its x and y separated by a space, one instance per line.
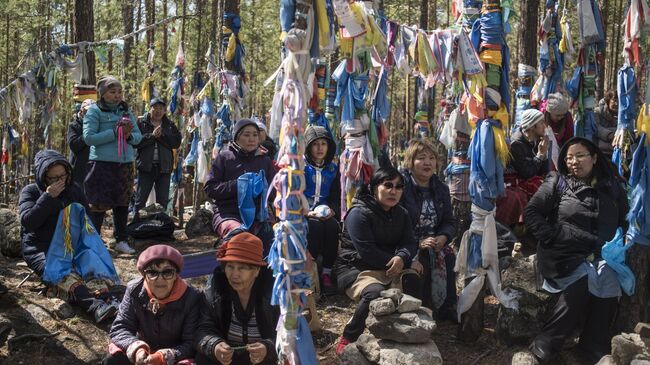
pixel 79 340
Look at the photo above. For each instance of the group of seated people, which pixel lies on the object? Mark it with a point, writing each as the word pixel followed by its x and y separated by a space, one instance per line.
pixel 397 233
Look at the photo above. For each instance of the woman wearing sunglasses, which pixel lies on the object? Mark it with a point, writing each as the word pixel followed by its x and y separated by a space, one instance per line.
pixel 428 202
pixel 237 324
pixel 574 212
pixel 158 315
pixel 376 246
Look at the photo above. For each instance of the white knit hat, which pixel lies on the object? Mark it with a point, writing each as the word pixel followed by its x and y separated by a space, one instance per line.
pixel 557 103
pixel 529 118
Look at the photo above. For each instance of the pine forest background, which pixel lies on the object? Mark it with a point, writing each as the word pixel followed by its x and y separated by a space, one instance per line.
pixel 28 27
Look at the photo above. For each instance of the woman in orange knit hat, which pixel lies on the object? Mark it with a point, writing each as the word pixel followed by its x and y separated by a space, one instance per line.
pixel 237 321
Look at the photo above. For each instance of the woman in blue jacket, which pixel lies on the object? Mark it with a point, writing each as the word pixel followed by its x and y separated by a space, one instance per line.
pixel 428 203
pixel 323 192
pixel 111 132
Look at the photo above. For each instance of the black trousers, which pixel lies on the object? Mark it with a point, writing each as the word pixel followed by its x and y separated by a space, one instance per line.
pixel 120 218
pixel 577 308
pixel 117 359
pixel 323 239
pixel 147 181
pixel 412 285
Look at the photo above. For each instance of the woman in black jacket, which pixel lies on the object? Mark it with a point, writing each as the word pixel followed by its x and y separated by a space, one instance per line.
pixel 428 203
pixel 79 150
pixel 376 245
pixel 158 314
pixel 40 204
pixel 237 322
pixel 572 215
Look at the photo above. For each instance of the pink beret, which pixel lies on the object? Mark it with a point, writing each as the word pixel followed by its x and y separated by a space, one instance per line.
pixel 163 252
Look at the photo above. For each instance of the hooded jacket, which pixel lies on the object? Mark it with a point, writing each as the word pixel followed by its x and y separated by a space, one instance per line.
pixel 221 186
pixel 371 237
pixel 170 139
pixel 172 328
pixel 100 122
pixel 322 182
pixel 79 150
pixel 216 314
pixel 572 219
pixel 39 212
pixel 607 124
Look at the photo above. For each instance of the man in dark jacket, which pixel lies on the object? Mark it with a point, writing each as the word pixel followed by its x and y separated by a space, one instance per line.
pixel 607 121
pixel 155 154
pixel 79 150
pixel 40 204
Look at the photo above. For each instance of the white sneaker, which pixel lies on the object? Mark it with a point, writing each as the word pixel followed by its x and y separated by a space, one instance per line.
pixel 123 247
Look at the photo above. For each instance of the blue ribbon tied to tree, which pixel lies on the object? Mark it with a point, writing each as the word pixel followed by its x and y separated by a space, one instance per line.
pixel 252 187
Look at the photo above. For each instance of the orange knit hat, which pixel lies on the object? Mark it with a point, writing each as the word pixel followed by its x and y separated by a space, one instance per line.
pixel 243 247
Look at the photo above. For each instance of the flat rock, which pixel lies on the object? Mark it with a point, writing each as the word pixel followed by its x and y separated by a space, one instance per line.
pixel 352 356
pixel 385 352
pixel 524 358
pixel 369 347
pixel 643 329
pixel 629 346
pixel 38 313
pixel 200 224
pixel 520 327
pixel 394 294
pixel 382 307
pixel 606 360
pixel 412 327
pixel 61 309
pixel 639 362
pixel 408 304
pixel 10 233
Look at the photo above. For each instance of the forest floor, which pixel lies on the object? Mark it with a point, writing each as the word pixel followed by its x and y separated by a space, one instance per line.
pixel 78 340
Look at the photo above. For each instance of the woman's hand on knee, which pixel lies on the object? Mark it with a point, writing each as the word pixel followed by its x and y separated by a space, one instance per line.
pixel 395 266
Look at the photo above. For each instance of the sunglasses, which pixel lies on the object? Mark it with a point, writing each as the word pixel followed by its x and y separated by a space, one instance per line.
pixel 166 274
pixel 389 185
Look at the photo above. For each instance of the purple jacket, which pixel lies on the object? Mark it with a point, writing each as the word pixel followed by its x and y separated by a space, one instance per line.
pixel 221 186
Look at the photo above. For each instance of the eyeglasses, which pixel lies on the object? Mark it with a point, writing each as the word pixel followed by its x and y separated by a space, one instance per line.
pixel 579 157
pixel 389 185
pixel 56 178
pixel 167 274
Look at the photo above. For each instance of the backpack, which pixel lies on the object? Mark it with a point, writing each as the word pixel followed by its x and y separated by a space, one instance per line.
pixel 157 226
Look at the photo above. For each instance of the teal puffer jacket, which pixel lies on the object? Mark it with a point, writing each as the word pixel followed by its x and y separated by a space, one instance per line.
pixel 99 133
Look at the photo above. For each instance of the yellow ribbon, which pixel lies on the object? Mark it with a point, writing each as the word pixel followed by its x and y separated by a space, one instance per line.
pixel 323 22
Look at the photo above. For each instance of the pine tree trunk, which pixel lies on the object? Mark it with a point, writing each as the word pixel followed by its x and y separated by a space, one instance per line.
pixel 127 27
pixel 600 89
pixel 165 46
pixel 528 34
pixel 84 30
pixel 150 11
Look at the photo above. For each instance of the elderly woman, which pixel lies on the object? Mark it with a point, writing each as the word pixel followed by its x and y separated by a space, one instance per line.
pixel 111 132
pixel 428 203
pixel 572 215
pixel 158 314
pixel 556 112
pixel 242 155
pixel 237 324
pixel 376 245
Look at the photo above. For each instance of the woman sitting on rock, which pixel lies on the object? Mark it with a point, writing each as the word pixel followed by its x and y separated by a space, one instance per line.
pixel 376 245
pixel 323 191
pixel 158 314
pixel 237 323
pixel 41 205
pixel 572 215
pixel 428 203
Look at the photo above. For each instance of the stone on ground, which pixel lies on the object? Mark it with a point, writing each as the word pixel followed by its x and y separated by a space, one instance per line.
pixel 524 358
pixel 520 327
pixel 394 294
pixel 382 307
pixel 61 309
pixel 412 327
pixel 408 304
pixel 643 329
pixel 352 356
pixel 200 224
pixel 629 346
pixel 9 233
pixel 384 352
pixel 606 360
